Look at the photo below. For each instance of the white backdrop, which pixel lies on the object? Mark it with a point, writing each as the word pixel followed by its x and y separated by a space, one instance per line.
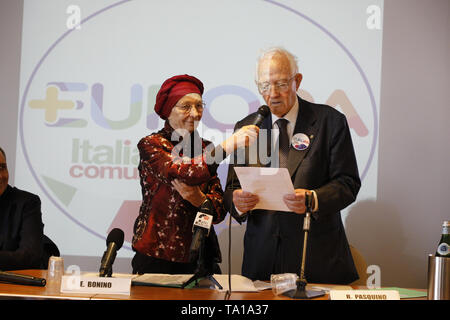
pixel 90 71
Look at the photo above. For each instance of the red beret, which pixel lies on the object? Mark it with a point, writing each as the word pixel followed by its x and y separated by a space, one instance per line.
pixel 172 90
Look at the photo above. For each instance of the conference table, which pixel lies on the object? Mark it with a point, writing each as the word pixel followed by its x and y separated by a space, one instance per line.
pixel 16 291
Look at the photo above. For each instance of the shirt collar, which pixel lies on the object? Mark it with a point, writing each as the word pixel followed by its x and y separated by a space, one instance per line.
pixel 291 116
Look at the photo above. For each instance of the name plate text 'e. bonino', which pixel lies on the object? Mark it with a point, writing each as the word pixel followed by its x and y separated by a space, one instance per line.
pixel 97 285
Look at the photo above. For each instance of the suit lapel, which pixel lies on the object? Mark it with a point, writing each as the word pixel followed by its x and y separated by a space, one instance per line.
pixel 305 123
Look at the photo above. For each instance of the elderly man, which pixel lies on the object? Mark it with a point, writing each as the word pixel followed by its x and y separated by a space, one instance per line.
pixel 21 227
pixel 316 148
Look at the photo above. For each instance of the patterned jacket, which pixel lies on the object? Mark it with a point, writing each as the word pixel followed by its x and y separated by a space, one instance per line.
pixel 163 228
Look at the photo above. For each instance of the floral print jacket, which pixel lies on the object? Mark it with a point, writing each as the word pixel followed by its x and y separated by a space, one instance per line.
pixel 163 228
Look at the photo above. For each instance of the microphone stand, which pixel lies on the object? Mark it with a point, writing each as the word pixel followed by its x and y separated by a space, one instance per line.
pixel 300 292
pixel 107 272
pixel 201 271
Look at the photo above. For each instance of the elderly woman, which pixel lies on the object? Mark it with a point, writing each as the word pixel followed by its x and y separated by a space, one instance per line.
pixel 176 181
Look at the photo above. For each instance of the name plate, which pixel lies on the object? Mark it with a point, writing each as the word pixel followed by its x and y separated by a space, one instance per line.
pixel 96 285
pixel 364 295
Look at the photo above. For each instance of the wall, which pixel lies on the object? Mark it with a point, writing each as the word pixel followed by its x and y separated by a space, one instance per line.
pixel 403 226
pixel 10 40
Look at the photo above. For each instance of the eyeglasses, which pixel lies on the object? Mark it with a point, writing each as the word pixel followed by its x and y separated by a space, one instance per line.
pixel 186 108
pixel 3 166
pixel 281 86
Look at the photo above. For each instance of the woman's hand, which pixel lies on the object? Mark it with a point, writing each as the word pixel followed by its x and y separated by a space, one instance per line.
pixel 193 194
pixel 244 137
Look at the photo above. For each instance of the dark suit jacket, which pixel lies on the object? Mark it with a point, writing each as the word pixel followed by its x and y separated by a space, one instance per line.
pixel 273 241
pixel 21 230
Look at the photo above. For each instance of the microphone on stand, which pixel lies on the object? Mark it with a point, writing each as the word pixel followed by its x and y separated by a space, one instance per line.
pixel 300 292
pixel 200 228
pixel 114 242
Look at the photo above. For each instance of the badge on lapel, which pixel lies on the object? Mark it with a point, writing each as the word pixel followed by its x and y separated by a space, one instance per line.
pixel 300 141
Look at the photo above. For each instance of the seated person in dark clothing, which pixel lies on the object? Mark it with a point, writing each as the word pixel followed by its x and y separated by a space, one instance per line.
pixel 21 227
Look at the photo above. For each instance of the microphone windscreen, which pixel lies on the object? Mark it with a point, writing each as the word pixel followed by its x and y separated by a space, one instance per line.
pixel 264 110
pixel 117 236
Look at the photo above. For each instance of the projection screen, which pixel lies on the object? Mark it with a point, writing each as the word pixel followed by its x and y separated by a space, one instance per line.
pixel 90 71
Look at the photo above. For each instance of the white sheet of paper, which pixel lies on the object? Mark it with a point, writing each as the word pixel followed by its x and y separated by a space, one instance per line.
pixel 270 184
pixel 238 283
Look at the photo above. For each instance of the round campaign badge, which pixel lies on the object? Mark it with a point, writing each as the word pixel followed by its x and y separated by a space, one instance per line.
pixel 300 141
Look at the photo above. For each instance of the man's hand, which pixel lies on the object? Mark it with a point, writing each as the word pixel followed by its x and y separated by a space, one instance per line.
pixel 244 201
pixel 296 201
pixel 193 194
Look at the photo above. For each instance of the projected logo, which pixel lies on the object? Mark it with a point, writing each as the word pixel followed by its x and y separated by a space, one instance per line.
pixel 82 113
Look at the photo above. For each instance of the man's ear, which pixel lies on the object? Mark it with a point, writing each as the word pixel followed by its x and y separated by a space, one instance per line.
pixel 298 79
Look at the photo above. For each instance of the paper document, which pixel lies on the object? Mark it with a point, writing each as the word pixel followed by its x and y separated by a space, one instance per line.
pixel 238 283
pixel 270 184
pixel 407 293
pixel 262 285
pixel 162 280
pixel 114 275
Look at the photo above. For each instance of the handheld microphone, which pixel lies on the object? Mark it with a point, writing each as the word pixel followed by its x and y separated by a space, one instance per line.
pixel 262 112
pixel 200 228
pixel 21 279
pixel 114 242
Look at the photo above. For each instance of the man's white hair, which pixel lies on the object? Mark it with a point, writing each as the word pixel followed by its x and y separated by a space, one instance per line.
pixel 293 61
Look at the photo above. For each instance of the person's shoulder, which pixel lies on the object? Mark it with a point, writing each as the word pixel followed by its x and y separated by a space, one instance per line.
pixel 23 195
pixel 146 139
pixel 323 110
pixel 154 138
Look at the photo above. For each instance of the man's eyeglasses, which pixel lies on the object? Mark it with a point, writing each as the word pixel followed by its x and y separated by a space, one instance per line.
pixel 186 108
pixel 3 166
pixel 280 86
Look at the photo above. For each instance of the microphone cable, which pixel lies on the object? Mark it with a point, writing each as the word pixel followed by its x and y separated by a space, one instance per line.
pixel 228 293
pixel 262 113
